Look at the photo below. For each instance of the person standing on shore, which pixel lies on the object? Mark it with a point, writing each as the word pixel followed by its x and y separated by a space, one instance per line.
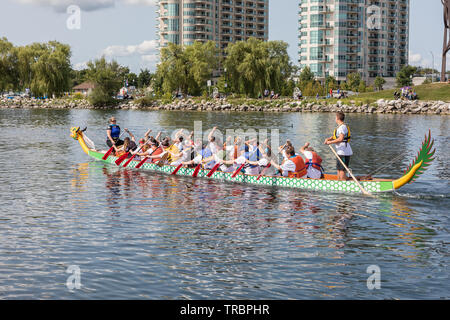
pixel 341 138
pixel 113 134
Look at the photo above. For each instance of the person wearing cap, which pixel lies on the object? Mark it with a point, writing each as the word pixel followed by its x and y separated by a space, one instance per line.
pixel 113 134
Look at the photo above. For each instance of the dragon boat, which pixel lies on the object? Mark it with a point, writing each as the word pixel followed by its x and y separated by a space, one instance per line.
pixel 328 183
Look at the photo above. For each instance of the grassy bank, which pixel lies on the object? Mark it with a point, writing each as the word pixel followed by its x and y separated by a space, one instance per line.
pixel 426 92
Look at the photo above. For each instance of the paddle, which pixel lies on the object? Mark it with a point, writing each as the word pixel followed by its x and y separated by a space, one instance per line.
pixel 214 169
pixel 237 171
pixel 110 149
pixel 264 171
pixel 348 170
pixel 134 154
pixel 196 171
pixel 122 157
pixel 177 169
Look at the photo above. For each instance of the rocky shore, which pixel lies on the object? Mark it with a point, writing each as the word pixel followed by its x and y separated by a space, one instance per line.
pixel 380 106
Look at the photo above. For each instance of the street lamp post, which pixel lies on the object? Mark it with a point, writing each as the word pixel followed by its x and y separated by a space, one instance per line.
pixel 446 48
pixel 432 68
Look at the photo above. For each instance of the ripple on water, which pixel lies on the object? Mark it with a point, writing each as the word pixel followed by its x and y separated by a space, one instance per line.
pixel 143 235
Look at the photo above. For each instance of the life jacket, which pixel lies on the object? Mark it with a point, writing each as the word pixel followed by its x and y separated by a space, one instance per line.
pixel 157 150
pixel 235 155
pixel 300 168
pixel 115 131
pixel 347 138
pixel 174 149
pixel 315 162
pixel 120 152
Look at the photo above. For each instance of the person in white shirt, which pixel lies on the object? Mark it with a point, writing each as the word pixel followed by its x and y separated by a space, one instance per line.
pixel 293 167
pixel 341 138
pixel 314 162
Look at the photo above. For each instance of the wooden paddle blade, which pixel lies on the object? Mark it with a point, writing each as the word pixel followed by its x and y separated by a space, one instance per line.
pixel 214 169
pixel 176 169
pixel 107 153
pixel 197 169
pixel 238 170
pixel 163 159
pixel 141 163
pixel 264 171
pixel 120 160
pixel 129 160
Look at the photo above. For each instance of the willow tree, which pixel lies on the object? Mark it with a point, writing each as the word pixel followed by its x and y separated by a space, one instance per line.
pixel 52 70
pixel 254 65
pixel 187 68
pixel 6 65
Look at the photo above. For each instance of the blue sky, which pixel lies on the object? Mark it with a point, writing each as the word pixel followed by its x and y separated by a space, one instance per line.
pixel 125 29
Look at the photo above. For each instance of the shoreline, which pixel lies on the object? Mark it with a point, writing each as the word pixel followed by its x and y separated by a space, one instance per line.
pixel 380 106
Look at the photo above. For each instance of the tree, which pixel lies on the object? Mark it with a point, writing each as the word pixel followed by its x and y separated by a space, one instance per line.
pixel 132 79
pixel 52 71
pixel 353 81
pixel 404 76
pixel 187 68
pixel 331 83
pixel 379 82
pixel 6 65
pixel 306 77
pixel 108 77
pixel 144 78
pixel 254 65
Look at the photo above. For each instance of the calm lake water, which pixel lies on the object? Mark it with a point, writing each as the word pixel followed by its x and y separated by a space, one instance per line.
pixel 140 235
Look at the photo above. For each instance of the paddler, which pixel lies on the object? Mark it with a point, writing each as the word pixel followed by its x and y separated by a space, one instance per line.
pixel 293 166
pixel 314 162
pixel 113 134
pixel 341 138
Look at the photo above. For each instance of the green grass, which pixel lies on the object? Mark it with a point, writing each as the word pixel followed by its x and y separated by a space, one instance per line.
pixel 426 92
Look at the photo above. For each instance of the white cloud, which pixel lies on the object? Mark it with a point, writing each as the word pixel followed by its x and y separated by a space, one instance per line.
pixel 144 48
pixel 147 51
pixel 80 66
pixel 62 5
pixel 86 5
pixel 141 2
pixel 414 58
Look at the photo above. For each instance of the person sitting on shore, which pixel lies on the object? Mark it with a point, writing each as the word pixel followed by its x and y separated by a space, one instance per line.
pixel 314 162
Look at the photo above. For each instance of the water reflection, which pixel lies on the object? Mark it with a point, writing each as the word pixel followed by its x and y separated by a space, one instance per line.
pixel 141 234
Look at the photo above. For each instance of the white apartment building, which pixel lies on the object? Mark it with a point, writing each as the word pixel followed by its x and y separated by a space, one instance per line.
pixel 223 21
pixel 338 37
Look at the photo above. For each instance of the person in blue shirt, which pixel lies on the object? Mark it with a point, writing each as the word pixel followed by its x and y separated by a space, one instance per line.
pixel 113 134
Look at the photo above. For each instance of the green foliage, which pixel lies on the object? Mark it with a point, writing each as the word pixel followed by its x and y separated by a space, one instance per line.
pixel 404 76
pixel 148 100
pixel 331 83
pixel 144 78
pixel 379 82
pixel 78 96
pixel 42 67
pixel 187 68
pixel 108 77
pixel 132 79
pixel 254 65
pixel 99 98
pixel 354 81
